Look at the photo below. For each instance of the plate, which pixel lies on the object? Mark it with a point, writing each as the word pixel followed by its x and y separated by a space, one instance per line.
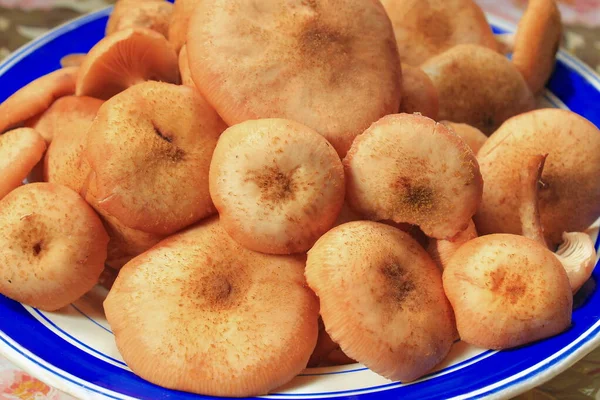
pixel 74 349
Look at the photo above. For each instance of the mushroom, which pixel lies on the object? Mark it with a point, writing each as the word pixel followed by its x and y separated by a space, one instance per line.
pixel 418 93
pixel 200 313
pixel 381 299
pixel 576 253
pixel 53 246
pixel 568 181
pixel 126 58
pixel 67 121
pixel 426 28
pixel 478 86
pixel 471 135
pixel 331 65
pixel 536 42
pixel 20 150
pixel 327 352
pixel 426 175
pixel 506 291
pixel 140 151
pixel 153 14
pixel 36 97
pixel 277 184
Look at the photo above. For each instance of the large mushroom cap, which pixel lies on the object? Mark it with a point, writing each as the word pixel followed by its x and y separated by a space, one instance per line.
pixel 150 14
pixel 203 314
pixel 278 185
pixel 569 198
pixel 506 291
pixel 329 64
pixel 425 28
pixel 381 298
pixel 478 86
pixel 53 246
pixel 425 175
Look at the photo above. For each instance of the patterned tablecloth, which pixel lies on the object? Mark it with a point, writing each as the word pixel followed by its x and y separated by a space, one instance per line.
pixel 23 20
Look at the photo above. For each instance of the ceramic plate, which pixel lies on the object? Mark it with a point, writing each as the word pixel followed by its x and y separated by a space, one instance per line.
pixel 74 349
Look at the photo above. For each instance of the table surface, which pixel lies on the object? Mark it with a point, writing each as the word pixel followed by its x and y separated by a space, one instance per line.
pixel 23 20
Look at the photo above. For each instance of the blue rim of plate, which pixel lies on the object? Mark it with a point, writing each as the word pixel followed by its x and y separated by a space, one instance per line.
pixel 28 343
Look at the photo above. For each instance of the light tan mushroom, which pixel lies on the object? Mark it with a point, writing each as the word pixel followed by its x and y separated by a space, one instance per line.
pixel 425 28
pixel 418 93
pixel 180 19
pixel 277 184
pixel 478 86
pixel 506 291
pixel 381 299
pixel 20 150
pixel 426 175
pixel 331 65
pixel 36 97
pixel 126 58
pixel 576 253
pixel 536 42
pixel 568 181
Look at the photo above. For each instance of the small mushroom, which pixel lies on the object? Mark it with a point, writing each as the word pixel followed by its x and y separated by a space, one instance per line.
pixel 36 97
pixel 200 313
pixel 381 299
pixel 506 291
pixel 426 175
pixel 277 184
pixel 478 86
pixel 67 121
pixel 576 253
pixel 418 93
pixel 536 42
pixel 569 198
pixel 126 58
pixel 53 246
pixel 426 28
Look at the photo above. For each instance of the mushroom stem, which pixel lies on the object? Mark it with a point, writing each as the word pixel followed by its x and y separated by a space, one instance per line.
pixel 505 42
pixel 576 253
pixel 529 211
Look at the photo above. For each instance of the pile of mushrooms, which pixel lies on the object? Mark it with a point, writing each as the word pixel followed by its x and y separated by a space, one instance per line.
pixel 266 186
